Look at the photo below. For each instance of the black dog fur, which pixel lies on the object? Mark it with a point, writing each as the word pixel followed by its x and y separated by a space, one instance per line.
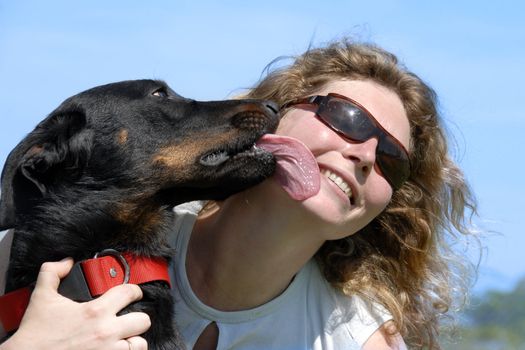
pixel 107 166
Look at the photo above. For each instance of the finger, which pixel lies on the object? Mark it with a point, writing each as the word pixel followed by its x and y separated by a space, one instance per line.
pixel 132 324
pixel 133 343
pixel 51 273
pixel 119 297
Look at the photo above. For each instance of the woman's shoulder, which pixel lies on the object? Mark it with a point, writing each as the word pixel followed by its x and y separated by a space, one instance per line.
pixel 348 315
pixel 383 340
pixel 185 216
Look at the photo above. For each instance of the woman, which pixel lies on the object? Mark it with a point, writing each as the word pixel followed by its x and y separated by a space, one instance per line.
pixel 345 247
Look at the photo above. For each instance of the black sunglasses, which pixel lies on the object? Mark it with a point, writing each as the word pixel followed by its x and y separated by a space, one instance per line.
pixel 351 120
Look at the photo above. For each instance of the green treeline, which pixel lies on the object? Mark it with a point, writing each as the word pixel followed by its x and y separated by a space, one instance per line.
pixel 494 320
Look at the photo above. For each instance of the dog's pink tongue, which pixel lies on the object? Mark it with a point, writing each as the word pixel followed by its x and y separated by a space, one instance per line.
pixel 297 170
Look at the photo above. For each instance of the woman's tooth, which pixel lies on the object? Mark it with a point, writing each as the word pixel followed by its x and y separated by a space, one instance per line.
pixel 339 182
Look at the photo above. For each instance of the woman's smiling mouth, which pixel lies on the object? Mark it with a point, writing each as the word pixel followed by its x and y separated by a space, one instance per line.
pixel 339 182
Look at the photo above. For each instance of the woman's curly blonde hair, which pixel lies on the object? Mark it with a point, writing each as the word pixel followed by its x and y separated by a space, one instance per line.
pixel 403 258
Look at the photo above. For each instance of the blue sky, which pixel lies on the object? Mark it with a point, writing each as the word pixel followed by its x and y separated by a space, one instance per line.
pixel 471 52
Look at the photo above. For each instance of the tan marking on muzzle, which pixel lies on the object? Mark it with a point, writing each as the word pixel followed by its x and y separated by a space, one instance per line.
pixel 122 136
pixel 179 156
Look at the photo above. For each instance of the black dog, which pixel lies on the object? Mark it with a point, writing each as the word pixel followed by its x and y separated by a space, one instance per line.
pixel 107 166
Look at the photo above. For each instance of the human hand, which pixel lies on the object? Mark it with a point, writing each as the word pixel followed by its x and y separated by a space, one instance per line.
pixel 52 321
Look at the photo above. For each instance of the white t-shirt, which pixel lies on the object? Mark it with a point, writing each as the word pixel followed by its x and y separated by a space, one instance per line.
pixel 6 238
pixel 309 314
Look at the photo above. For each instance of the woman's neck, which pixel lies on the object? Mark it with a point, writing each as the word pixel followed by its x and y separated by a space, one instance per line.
pixel 243 255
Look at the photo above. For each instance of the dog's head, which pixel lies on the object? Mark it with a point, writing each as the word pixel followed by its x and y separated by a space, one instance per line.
pixel 142 137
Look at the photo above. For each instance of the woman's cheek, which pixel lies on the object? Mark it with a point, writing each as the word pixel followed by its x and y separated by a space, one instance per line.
pixel 379 194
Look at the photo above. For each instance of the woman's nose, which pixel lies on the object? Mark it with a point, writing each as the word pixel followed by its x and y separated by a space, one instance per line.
pixel 363 154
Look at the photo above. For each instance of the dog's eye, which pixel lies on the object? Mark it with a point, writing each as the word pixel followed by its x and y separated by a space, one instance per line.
pixel 160 93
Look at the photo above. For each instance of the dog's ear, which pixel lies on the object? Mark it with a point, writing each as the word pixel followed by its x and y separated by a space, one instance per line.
pixel 58 147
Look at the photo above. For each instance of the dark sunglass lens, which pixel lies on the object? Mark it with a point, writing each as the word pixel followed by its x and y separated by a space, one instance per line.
pixel 347 119
pixel 395 171
pixel 356 124
pixel 393 161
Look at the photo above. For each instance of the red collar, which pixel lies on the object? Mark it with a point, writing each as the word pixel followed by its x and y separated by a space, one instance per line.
pixel 87 280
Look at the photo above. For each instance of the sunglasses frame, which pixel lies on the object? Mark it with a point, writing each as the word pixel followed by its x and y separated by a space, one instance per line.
pixel 381 133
